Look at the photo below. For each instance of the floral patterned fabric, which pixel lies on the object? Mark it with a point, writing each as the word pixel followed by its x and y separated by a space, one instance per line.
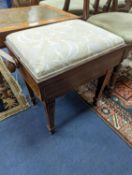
pixel 11 99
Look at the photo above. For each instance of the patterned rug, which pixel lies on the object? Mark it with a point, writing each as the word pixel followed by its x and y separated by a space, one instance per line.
pixel 117 110
pixel 11 99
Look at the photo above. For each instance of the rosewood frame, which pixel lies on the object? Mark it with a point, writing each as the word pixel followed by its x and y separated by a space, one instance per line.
pixel 47 91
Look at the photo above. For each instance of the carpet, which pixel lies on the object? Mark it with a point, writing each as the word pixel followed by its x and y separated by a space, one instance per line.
pixel 12 100
pixel 3 4
pixel 117 110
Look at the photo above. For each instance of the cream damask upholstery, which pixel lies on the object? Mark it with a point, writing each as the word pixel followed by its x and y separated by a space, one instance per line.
pixel 50 50
pixel 76 6
pixel 118 23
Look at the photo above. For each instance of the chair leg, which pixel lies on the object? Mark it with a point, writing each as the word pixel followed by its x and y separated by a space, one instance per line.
pixel 102 83
pixel 33 98
pixel 50 110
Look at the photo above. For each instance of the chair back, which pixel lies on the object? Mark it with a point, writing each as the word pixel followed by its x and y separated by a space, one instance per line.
pixel 113 5
pixel 85 8
pixel 126 7
pixel 129 5
pixel 107 5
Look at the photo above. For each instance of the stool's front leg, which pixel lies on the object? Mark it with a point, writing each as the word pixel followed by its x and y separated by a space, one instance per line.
pixel 50 110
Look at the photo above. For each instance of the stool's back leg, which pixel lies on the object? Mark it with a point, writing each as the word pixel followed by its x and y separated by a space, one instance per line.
pixel 102 83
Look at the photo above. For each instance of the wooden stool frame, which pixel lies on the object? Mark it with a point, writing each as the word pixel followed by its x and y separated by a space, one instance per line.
pixel 47 91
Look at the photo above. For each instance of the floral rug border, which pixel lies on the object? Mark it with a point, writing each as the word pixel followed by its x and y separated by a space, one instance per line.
pixel 114 111
pixel 16 89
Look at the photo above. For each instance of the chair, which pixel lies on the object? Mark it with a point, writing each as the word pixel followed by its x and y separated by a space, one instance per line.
pixel 76 6
pixel 119 23
pixel 110 5
pixel 73 6
pixel 123 6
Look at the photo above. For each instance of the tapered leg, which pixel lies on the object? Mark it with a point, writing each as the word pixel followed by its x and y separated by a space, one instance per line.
pixel 66 5
pixel 33 98
pixel 50 110
pixel 102 83
pixel 85 9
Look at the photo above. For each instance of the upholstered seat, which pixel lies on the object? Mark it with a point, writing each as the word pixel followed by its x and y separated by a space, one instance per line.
pixel 51 50
pixel 130 10
pixel 116 22
pixel 76 6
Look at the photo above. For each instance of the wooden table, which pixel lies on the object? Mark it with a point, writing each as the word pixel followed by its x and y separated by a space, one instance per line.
pixel 15 19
